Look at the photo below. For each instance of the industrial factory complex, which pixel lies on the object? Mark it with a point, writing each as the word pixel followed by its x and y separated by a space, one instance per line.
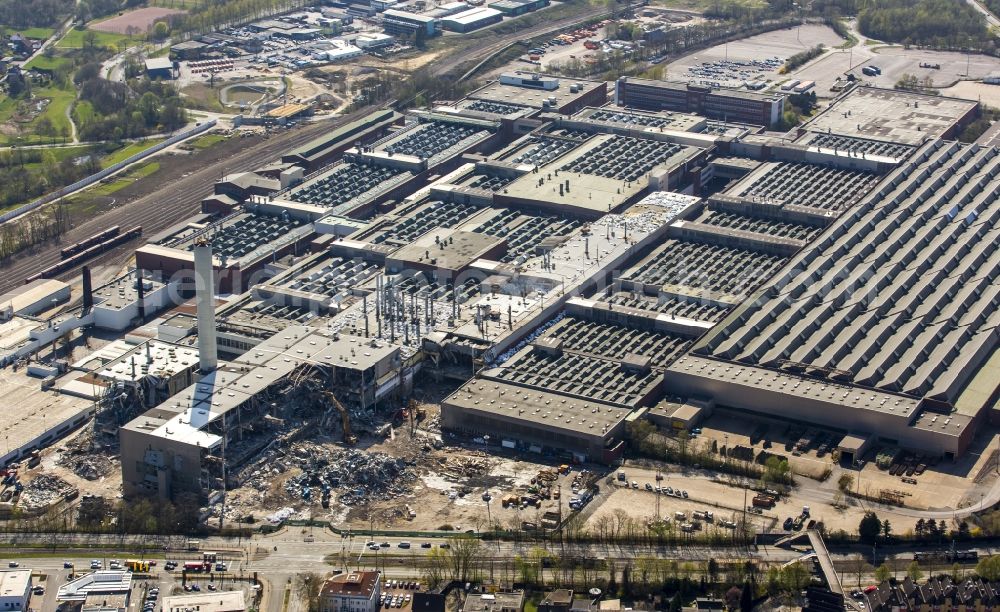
pixel 570 257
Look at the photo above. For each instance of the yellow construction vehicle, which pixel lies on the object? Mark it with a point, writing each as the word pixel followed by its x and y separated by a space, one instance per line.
pixel 345 418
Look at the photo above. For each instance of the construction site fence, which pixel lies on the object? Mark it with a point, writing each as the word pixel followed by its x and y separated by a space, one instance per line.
pixel 97 176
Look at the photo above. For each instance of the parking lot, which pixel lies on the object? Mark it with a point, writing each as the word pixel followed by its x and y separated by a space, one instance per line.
pixel 735 61
pixel 897 61
pixel 398 593
pixel 686 491
pixel 148 587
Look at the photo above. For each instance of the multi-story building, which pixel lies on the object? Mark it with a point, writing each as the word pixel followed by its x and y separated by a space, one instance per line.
pixel 407 23
pixel 351 592
pixel 735 105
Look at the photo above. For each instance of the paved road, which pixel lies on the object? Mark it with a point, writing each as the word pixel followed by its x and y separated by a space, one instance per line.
pixel 990 17
pixel 278 557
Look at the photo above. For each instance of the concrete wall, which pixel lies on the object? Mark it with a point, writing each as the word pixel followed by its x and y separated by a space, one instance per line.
pixel 179 468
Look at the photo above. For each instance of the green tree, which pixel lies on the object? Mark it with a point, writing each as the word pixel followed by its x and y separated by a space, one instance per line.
pixel 886 529
pixel 869 528
pixel 914 572
pixel 795 577
pixel 988 568
pixel 89 41
pixel 160 31
pixel 675 603
pixel 149 107
pixel 883 572
pixel 712 571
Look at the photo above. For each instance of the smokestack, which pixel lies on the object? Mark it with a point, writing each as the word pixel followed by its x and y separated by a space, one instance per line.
pixel 140 292
pixel 88 290
pixel 204 286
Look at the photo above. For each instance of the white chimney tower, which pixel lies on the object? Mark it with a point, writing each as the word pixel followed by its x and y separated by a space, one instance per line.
pixel 204 285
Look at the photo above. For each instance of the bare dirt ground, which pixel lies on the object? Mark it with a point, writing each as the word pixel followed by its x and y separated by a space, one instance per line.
pixel 442 486
pixel 138 20
pixel 946 485
pixel 407 63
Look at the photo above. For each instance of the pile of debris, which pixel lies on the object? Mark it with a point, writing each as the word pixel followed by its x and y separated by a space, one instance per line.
pixel 357 476
pixel 44 491
pixel 87 457
pixel 88 467
pixel 456 467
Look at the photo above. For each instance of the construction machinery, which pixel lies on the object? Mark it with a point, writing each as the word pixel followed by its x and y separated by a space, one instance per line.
pixel 345 418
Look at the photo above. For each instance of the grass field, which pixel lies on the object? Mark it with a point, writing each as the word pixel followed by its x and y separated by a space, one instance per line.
pixel 60 99
pixel 37 33
pixel 124 180
pixel 83 112
pixel 74 39
pixel 202 97
pixel 60 154
pixel 128 151
pixel 206 141
pixel 7 107
pixel 49 63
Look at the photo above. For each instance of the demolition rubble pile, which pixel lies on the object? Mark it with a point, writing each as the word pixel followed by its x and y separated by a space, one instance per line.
pixel 456 468
pixel 355 476
pixel 88 467
pixel 43 491
pixel 86 458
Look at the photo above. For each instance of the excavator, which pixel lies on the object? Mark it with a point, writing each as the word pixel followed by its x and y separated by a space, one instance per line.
pixel 345 418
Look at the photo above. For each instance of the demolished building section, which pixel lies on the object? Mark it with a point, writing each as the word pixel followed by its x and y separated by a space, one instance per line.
pixel 570 265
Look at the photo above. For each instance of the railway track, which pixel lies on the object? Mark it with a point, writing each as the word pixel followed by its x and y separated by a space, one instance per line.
pixel 166 207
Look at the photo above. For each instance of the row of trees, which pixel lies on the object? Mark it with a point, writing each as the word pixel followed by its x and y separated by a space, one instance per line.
pixel 951 24
pixel 801 58
pixel 644 577
pixel 37 13
pixel 209 16
pixel 20 234
pixel 127 110
pixel 646 441
pixel 18 184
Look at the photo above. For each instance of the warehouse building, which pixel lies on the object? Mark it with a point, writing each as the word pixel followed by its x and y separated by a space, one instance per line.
pixel 35 297
pixel 735 105
pixel 543 92
pixel 473 19
pixel 596 175
pixel 536 420
pixel 405 23
pixel 513 8
pixel 314 154
pixel 160 68
pixel 891 115
pixel 243 242
pixel 901 347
